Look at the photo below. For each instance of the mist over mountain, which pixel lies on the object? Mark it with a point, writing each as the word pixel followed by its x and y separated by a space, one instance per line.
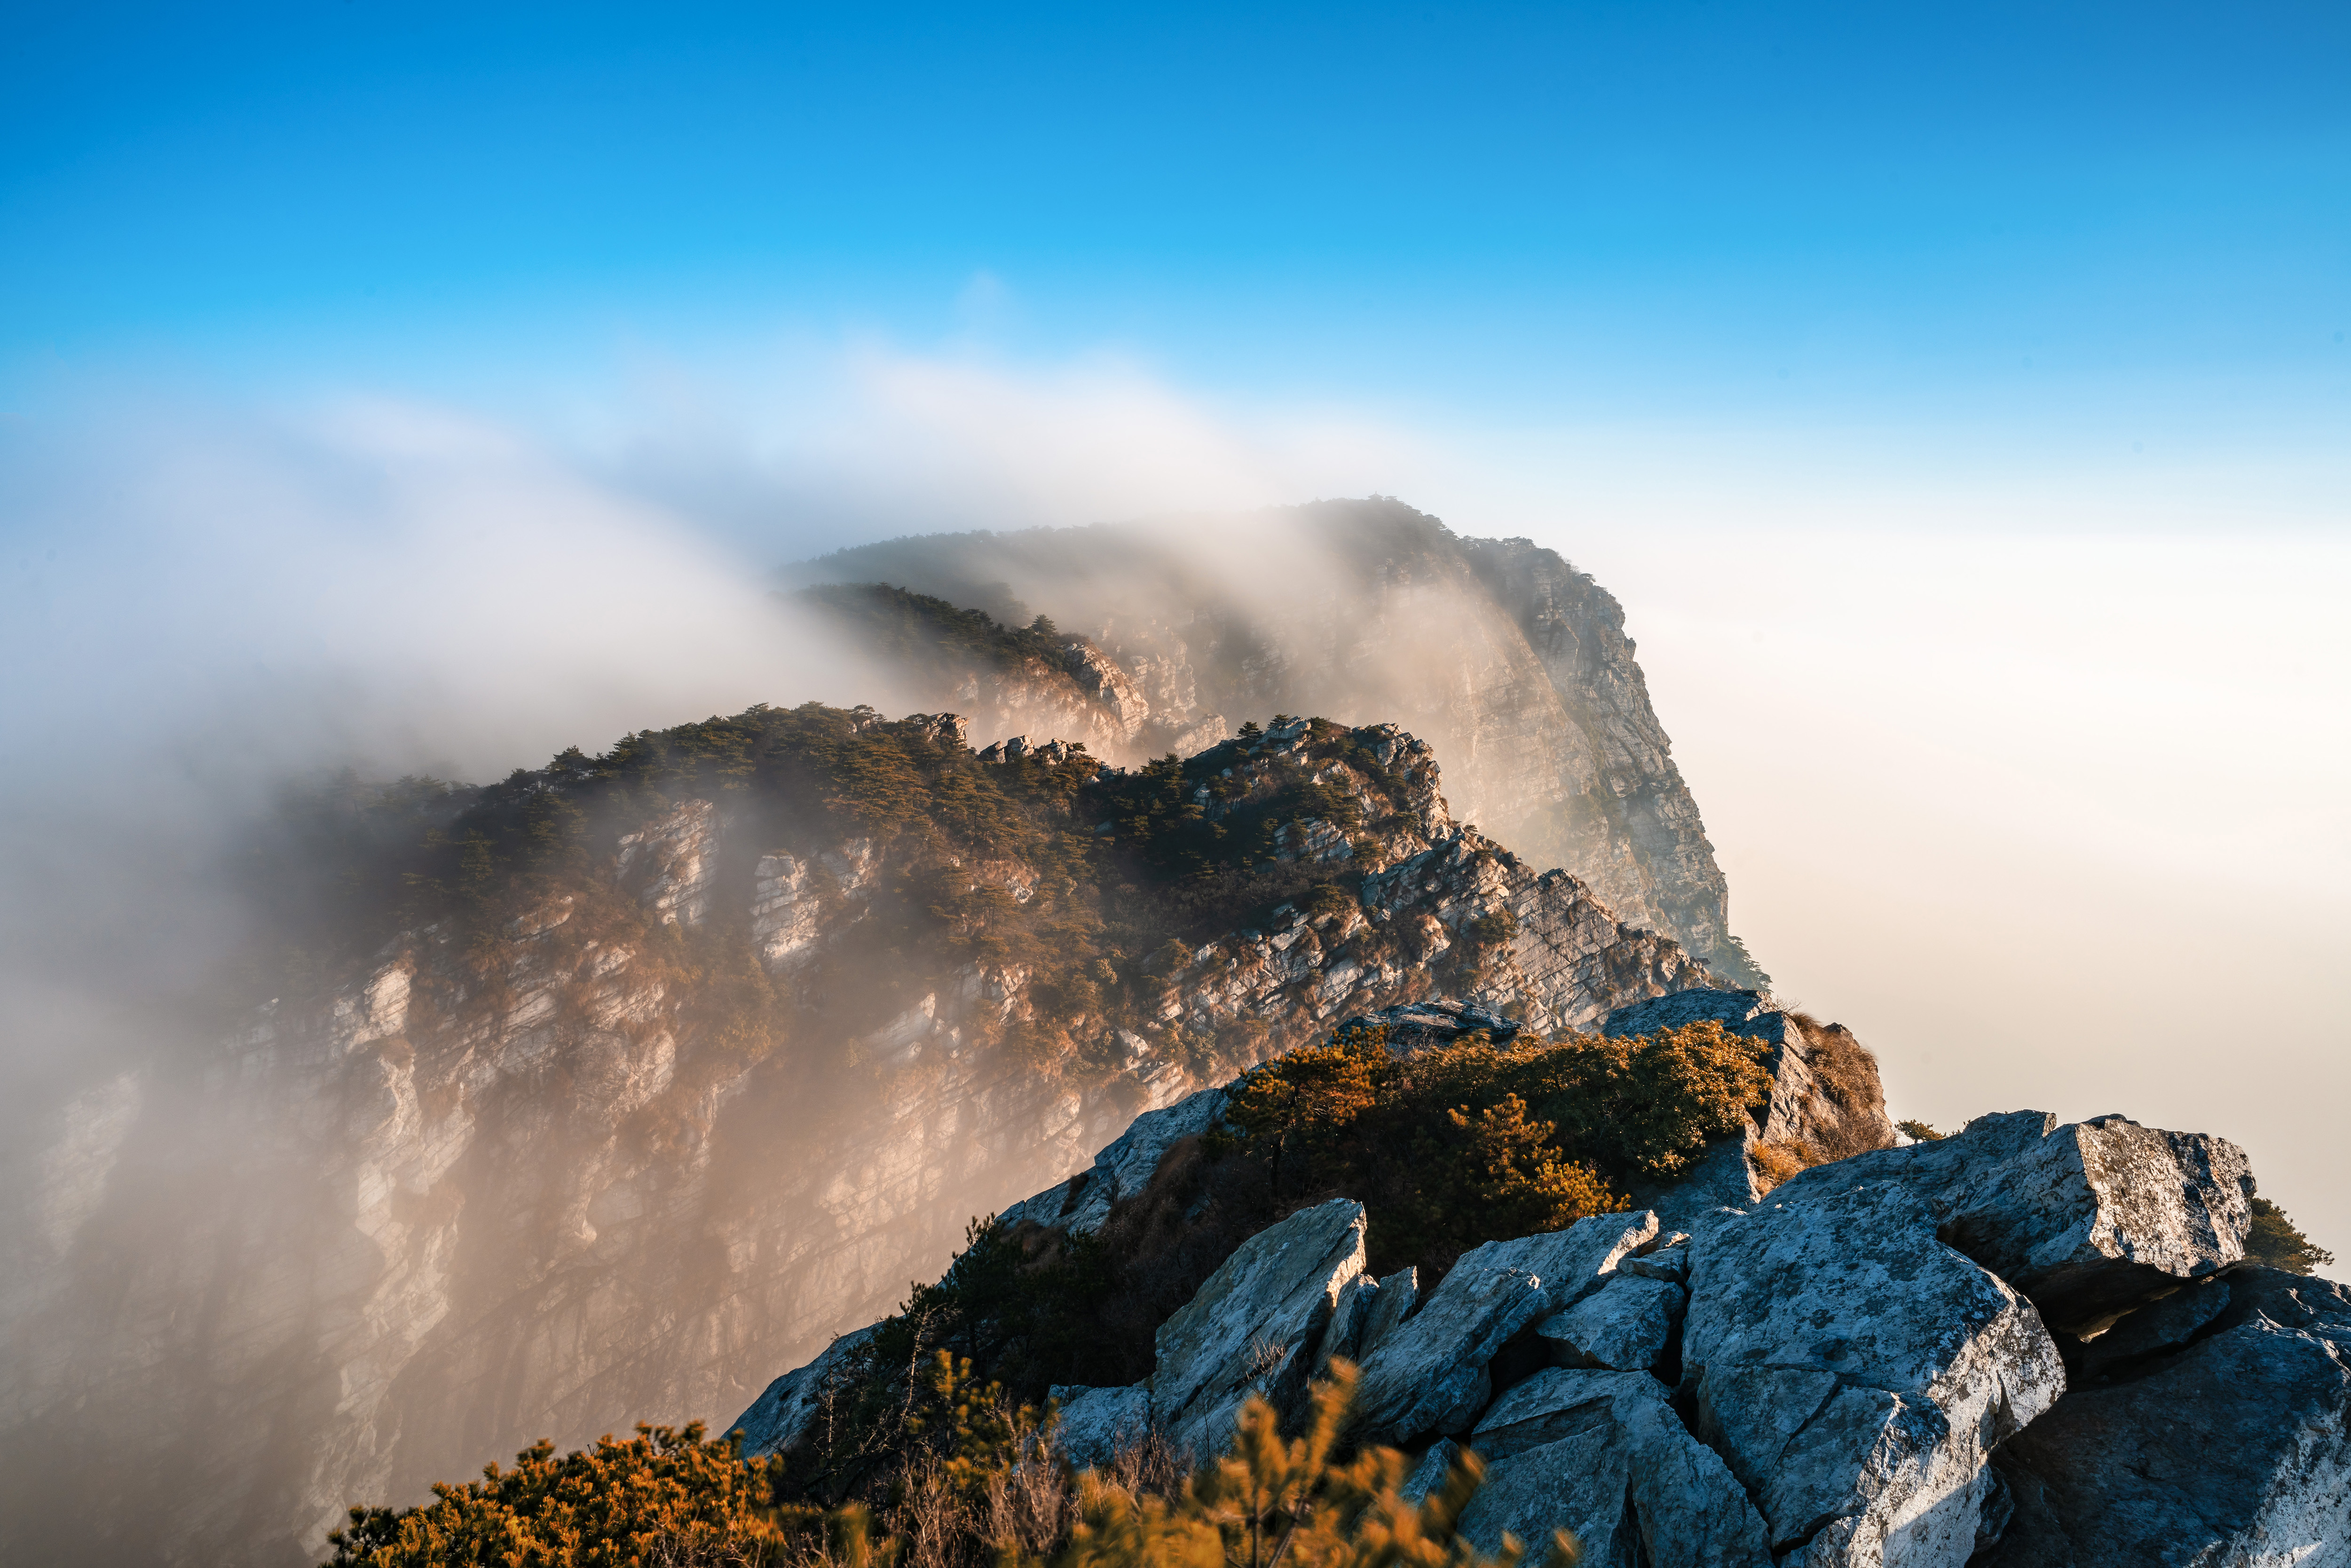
pixel 1512 663
pixel 530 1109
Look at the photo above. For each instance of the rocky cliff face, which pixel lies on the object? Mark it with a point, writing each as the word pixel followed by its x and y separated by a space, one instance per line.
pixel 2030 1343
pixel 677 1063
pixel 1514 665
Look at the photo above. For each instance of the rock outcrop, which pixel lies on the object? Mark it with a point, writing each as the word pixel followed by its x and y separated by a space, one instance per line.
pixel 2218 1432
pixel 1624 1327
pixel 1602 1456
pixel 1856 1374
pixel 1257 1326
pixel 795 1403
pixel 2030 1345
pixel 2087 1218
pixel 1431 1378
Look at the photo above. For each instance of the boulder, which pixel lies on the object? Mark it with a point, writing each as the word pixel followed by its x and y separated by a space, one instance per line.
pixel 2086 1218
pixel 1578 1484
pixel 1554 1403
pixel 792 1404
pixel 1256 1325
pixel 1124 1168
pixel 1721 1178
pixel 1855 1373
pixel 1667 1260
pixel 1096 1423
pixel 1428 1472
pixel 2234 1448
pixel 1623 1325
pixel 1602 1456
pixel 1399 1293
pixel 1429 1375
pixel 1358 1300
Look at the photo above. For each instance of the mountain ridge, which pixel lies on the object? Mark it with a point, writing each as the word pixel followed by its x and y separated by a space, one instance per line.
pixel 621 1075
pixel 1512 662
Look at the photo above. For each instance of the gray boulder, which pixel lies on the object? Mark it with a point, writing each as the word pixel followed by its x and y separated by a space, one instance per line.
pixel 2233 1450
pixel 1667 1260
pixel 1622 1325
pixel 1602 1456
pixel 1428 1472
pixel 1096 1423
pixel 790 1406
pixel 1124 1168
pixel 1554 1403
pixel 1358 1298
pixel 1855 1372
pixel 1399 1293
pixel 1578 1483
pixel 1255 1326
pixel 1430 1375
pixel 2086 1218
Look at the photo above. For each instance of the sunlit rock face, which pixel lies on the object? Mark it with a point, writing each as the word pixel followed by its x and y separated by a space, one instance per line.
pixel 1513 663
pixel 613 1141
pixel 2031 1344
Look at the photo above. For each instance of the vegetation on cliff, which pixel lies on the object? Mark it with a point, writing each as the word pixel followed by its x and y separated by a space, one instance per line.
pixel 896 622
pixel 667 1495
pixel 1084 879
pixel 982 1484
pixel 2276 1242
pixel 1446 1148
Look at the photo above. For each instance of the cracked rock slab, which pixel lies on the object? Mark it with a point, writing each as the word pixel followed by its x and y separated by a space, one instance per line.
pixel 1399 1293
pixel 1623 1325
pixel 1429 1375
pixel 2086 1218
pixel 1855 1373
pixel 2231 1452
pixel 1602 1456
pixel 1096 1423
pixel 1255 1325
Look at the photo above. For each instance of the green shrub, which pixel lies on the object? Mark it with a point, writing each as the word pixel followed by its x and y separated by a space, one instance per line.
pixel 2276 1242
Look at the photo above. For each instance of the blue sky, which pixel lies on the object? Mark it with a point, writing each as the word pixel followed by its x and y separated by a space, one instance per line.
pixel 1779 211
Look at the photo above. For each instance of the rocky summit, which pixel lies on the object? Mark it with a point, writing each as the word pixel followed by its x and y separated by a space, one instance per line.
pixel 2030 1344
